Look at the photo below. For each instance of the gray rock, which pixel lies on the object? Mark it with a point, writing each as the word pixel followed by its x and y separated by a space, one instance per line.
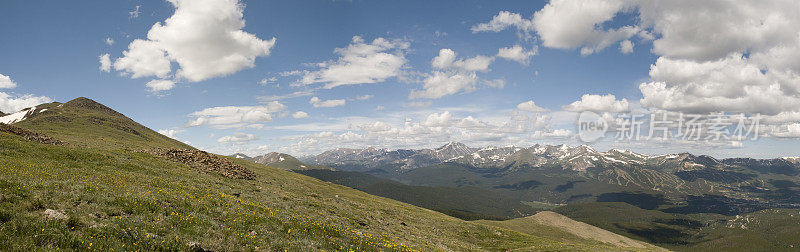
pixel 51 214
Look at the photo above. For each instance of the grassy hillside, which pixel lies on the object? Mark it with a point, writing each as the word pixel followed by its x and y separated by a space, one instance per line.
pixel 555 225
pixel 84 122
pixel 118 199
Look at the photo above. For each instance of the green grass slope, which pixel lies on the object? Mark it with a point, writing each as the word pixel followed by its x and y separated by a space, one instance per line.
pixel 84 122
pixel 560 227
pixel 116 199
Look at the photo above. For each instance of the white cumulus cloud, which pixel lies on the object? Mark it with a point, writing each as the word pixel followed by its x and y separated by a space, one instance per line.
pixel 10 103
pixel 157 86
pixel 105 63
pixel 6 82
pixel 443 119
pixel 441 84
pixel 204 37
pixel 453 75
pixel 237 138
pixel 13 103
pixel 517 53
pixel 447 60
pixel 300 115
pixel 530 106
pixel 598 103
pixel 569 24
pixel 235 116
pixel 712 55
pixel 144 58
pixel 505 20
pixel 361 63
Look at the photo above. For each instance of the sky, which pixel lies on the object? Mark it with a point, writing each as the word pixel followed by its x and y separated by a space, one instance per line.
pixel 302 77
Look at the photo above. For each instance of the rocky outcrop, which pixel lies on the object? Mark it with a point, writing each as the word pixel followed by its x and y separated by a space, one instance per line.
pixel 205 162
pixel 30 135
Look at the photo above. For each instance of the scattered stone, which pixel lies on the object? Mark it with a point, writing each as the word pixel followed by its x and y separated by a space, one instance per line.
pixel 30 135
pixel 204 161
pixel 51 214
pixel 97 225
pixel 195 247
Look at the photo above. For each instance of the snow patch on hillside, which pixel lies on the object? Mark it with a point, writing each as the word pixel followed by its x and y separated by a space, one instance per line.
pixel 17 117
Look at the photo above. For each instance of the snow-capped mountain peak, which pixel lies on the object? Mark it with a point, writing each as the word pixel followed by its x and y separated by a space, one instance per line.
pixel 576 158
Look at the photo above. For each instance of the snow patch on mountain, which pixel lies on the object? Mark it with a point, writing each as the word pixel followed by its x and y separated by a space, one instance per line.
pixel 18 116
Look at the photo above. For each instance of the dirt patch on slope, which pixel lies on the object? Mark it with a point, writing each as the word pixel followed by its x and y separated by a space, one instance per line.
pixel 584 230
pixel 30 135
pixel 205 162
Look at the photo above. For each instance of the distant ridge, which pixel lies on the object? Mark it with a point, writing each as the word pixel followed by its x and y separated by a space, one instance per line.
pixel 285 161
pixel 576 158
pixel 241 156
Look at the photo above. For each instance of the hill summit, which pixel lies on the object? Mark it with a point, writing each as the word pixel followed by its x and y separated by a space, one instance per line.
pixel 89 104
pixel 87 123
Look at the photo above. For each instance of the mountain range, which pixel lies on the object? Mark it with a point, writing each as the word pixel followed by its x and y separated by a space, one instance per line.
pixel 282 161
pixel 575 158
pixel 672 174
pixel 81 175
pixel 693 195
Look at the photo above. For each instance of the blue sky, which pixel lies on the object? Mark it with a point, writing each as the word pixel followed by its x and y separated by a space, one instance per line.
pixel 50 51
